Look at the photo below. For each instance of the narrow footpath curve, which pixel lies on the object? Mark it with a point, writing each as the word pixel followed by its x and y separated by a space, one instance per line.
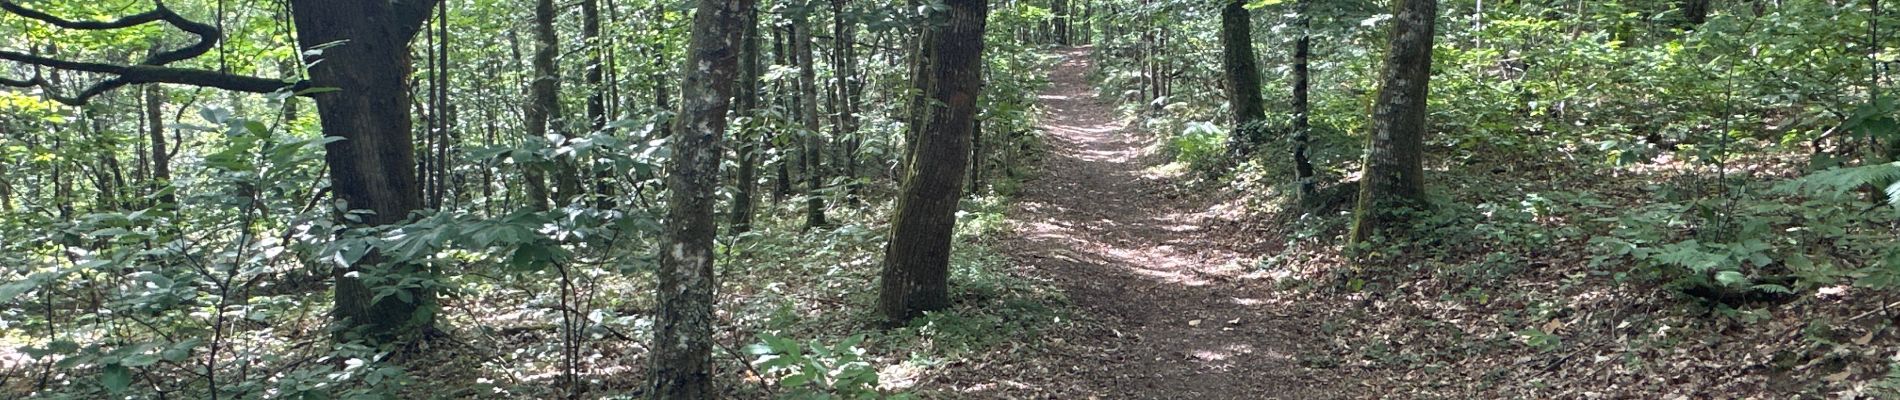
pixel 1178 318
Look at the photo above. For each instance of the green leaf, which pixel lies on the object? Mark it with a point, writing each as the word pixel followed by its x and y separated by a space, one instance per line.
pixel 795 380
pixel 15 289
pixel 175 354
pixel 1257 4
pixel 140 360
pixel 1730 278
pixel 115 377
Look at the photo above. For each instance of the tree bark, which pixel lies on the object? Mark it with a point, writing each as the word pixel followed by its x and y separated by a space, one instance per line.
pixel 849 92
pixel 1302 127
pixel 597 94
pixel 746 102
pixel 917 259
pixel 920 85
pixel 544 103
pixel 1694 13
pixel 813 154
pixel 682 343
pixel 1061 10
pixel 373 167
pixel 160 153
pixel 1394 177
pixel 1243 77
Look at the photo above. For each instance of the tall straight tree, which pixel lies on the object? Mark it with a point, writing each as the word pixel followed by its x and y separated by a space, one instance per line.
pixel 544 102
pixel 161 162
pixel 1243 76
pixel 1394 175
pixel 917 259
pixel 682 338
pixel 1302 74
pixel 746 102
pixel 597 91
pixel 813 151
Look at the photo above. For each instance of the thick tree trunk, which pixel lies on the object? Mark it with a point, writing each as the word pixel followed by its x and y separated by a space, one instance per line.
pixel 747 100
pixel 1302 134
pixel 373 167
pixel 682 343
pixel 813 154
pixel 917 259
pixel 1394 176
pixel 1243 77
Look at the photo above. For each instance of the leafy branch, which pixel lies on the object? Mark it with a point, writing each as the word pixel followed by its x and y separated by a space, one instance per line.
pixel 152 69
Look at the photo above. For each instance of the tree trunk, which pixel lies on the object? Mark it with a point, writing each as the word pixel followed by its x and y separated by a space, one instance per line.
pixel 747 101
pixel 920 81
pixel 1061 10
pixel 662 92
pixel 917 259
pixel 808 112
pixel 1694 13
pixel 1243 77
pixel 535 192
pixel 160 153
pixel 596 94
pixel 782 187
pixel 1394 177
pixel 373 167
pixel 682 341
pixel 847 81
pixel 1302 134
pixel 976 158
pixel 544 102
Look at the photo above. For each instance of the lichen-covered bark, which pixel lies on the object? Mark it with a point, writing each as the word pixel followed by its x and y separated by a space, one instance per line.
pixel 373 168
pixel 917 259
pixel 1243 76
pixel 681 363
pixel 1394 176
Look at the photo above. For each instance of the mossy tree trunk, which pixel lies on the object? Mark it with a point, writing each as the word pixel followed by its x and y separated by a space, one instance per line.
pixel 1394 176
pixel 682 341
pixel 917 259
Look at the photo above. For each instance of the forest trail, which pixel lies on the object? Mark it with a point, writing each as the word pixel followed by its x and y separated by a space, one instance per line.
pixel 1177 315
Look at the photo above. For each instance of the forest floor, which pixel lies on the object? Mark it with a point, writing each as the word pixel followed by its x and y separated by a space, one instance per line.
pixel 1180 290
pixel 1174 312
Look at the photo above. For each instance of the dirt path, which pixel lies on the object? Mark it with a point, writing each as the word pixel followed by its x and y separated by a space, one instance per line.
pixel 1179 317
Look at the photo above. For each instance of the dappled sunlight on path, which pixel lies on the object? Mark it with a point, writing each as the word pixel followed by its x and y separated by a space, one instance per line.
pixel 1182 317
